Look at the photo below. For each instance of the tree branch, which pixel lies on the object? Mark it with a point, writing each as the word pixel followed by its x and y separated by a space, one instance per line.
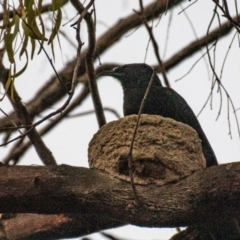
pixel 89 61
pixel 42 150
pixel 195 46
pixel 52 91
pixel 208 199
pixel 47 226
pixel 64 189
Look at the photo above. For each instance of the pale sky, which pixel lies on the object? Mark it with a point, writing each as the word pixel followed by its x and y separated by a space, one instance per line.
pixel 69 141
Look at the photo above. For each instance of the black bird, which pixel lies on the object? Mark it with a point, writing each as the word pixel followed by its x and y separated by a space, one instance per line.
pixel 134 79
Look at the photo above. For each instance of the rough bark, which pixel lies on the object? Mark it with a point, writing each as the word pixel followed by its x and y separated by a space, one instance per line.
pixel 207 196
pixel 171 185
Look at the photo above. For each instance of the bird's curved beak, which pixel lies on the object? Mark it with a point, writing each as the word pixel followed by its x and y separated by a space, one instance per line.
pixel 105 73
pixel 110 73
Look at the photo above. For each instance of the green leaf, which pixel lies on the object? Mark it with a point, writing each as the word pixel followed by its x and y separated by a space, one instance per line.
pixel 32 31
pixel 56 26
pixel 8 40
pixel 29 23
pixel 24 45
pixel 8 24
pixel 10 84
pixel 56 5
pixel 43 31
pixel 23 69
pixel 33 47
pixel 16 27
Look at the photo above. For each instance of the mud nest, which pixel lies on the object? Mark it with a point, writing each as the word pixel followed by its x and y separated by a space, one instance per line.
pixel 164 150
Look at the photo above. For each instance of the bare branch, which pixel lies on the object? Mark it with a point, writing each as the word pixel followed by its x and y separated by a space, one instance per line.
pixel 43 152
pixel 52 91
pixel 195 46
pixel 18 150
pixel 155 45
pixel 130 157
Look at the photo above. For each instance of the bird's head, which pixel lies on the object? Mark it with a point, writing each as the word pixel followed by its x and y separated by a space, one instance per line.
pixel 133 75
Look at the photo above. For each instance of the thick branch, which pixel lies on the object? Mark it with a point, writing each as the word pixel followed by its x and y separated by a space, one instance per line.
pixel 206 195
pixel 49 226
pixel 53 90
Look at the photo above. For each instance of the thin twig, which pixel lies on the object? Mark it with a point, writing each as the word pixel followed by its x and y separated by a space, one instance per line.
pixel 130 159
pixel 196 45
pixel 113 111
pixel 59 110
pixel 51 92
pixel 17 151
pixel 42 150
pixel 192 67
pixel 225 58
pixel 90 59
pixel 196 36
pixel 154 42
pixel 184 9
pixel 222 87
pixel 227 14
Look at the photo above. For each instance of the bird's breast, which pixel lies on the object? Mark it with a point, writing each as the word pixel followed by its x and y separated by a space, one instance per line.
pixel 132 100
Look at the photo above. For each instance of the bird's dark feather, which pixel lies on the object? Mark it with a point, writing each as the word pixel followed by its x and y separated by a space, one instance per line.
pixel 162 101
